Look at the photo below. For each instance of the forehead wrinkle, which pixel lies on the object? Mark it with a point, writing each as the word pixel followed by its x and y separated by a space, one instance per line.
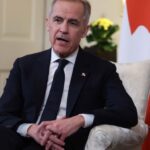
pixel 68 19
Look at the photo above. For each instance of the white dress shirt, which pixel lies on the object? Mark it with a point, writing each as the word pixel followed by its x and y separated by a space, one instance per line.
pixel 22 129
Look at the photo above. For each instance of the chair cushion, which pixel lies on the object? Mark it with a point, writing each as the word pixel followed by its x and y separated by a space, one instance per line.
pixel 136 80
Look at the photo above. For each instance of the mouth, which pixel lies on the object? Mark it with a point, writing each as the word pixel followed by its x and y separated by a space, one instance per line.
pixel 63 39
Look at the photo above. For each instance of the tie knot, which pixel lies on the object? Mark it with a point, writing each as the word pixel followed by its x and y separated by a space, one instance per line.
pixel 62 63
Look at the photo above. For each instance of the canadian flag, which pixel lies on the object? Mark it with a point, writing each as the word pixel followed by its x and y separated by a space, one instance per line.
pixel 135 33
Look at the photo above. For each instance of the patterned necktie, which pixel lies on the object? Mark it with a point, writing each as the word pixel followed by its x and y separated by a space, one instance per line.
pixel 55 95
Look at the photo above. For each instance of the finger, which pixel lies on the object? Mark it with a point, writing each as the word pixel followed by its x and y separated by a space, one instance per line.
pixel 56 140
pixel 41 129
pixel 45 137
pixel 63 137
pixel 57 147
pixel 46 131
pixel 44 124
pixel 48 145
pixel 53 129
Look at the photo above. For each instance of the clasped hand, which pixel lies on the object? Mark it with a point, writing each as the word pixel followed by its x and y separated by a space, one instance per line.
pixel 52 134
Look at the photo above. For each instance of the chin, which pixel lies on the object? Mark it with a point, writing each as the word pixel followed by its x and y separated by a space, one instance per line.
pixel 61 51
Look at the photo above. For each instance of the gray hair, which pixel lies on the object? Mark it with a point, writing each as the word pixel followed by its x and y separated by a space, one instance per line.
pixel 86 5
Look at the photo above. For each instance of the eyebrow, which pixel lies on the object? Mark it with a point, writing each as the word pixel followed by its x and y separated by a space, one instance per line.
pixel 74 20
pixel 68 20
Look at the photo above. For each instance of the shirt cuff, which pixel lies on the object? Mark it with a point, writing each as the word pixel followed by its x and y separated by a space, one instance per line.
pixel 23 128
pixel 88 120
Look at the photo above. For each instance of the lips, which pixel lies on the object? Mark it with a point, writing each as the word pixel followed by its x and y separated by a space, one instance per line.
pixel 62 38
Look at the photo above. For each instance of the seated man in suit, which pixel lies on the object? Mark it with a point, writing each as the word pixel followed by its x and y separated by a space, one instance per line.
pixel 53 98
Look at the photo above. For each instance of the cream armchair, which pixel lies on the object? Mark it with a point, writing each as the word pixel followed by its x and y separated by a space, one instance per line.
pixel 136 80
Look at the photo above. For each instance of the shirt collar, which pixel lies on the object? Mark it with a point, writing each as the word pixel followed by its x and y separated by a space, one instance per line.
pixel 71 58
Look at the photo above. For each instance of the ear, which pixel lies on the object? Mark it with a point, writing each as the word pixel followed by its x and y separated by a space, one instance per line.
pixel 85 30
pixel 47 24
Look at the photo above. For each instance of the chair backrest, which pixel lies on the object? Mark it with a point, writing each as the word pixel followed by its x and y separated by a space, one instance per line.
pixel 136 80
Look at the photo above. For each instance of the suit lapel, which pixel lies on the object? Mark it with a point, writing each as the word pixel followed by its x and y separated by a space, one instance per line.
pixel 41 71
pixel 79 76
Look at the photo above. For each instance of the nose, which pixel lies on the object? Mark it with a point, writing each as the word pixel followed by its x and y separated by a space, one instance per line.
pixel 64 28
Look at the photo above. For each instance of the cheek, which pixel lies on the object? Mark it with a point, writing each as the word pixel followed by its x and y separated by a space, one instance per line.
pixel 80 33
pixel 52 34
pixel 77 36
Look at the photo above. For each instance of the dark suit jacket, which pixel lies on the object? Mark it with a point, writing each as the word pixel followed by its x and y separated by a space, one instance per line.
pixel 95 89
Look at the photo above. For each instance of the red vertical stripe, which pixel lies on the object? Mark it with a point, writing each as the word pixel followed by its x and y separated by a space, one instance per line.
pixel 138 14
pixel 146 145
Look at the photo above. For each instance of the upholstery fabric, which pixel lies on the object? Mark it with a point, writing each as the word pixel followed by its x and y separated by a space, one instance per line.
pixel 136 80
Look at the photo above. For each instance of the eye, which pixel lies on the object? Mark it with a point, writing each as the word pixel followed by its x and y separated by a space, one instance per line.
pixel 74 22
pixel 58 19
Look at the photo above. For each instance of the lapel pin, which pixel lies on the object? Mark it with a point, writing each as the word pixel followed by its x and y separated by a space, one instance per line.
pixel 83 74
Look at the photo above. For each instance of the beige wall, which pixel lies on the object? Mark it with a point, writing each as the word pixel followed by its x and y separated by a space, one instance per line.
pixel 107 8
pixel 21 32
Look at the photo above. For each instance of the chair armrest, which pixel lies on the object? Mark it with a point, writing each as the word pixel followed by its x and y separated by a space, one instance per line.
pixel 108 137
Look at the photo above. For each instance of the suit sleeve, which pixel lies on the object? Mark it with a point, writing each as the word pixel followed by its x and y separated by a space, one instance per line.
pixel 11 101
pixel 119 108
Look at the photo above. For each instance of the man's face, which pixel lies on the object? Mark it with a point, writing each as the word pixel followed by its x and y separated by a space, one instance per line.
pixel 66 27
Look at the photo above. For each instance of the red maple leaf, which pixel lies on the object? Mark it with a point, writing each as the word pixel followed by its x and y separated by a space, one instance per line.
pixel 138 14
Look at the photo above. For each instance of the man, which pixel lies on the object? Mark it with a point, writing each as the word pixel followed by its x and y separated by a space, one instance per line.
pixel 92 94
